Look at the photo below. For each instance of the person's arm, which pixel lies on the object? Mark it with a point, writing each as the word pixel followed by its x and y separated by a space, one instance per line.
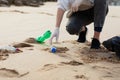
pixel 59 18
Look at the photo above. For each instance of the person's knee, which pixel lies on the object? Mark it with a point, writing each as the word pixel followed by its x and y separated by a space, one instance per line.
pixel 74 25
pixel 72 30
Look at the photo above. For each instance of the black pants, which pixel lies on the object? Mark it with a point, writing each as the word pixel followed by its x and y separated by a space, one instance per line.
pixel 96 14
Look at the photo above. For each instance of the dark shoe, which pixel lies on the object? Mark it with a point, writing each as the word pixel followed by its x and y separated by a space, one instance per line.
pixel 82 36
pixel 95 44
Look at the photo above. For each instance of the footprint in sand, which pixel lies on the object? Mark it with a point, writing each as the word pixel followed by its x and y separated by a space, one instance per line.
pixel 30 40
pixel 108 73
pixel 109 77
pixel 9 73
pixel 17 11
pixel 89 56
pixel 81 77
pixel 48 67
pixel 3 56
pixel 46 13
pixel 59 49
pixel 72 63
pixel 21 45
pixel 100 67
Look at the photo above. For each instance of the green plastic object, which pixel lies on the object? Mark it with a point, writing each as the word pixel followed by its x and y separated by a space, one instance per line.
pixel 45 36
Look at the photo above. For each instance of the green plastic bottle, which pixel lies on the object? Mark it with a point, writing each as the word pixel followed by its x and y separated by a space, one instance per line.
pixel 45 36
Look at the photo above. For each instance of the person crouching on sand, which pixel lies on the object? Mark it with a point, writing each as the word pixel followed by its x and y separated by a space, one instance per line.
pixel 82 13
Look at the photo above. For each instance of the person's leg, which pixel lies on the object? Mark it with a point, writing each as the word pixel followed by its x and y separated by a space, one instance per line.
pixel 90 17
pixel 73 26
pixel 77 24
pixel 100 10
pixel 82 35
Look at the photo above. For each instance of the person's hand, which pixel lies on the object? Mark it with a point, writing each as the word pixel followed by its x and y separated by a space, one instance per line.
pixel 55 35
pixel 75 5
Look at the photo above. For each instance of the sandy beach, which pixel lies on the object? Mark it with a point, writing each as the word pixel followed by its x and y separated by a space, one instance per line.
pixel 72 61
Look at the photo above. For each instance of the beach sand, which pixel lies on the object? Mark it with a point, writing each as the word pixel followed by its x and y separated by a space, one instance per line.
pixel 72 61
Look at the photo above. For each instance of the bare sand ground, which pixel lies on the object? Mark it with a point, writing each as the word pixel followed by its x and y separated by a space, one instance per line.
pixel 72 61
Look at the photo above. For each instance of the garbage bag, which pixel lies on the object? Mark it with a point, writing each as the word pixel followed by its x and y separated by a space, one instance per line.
pixel 113 44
